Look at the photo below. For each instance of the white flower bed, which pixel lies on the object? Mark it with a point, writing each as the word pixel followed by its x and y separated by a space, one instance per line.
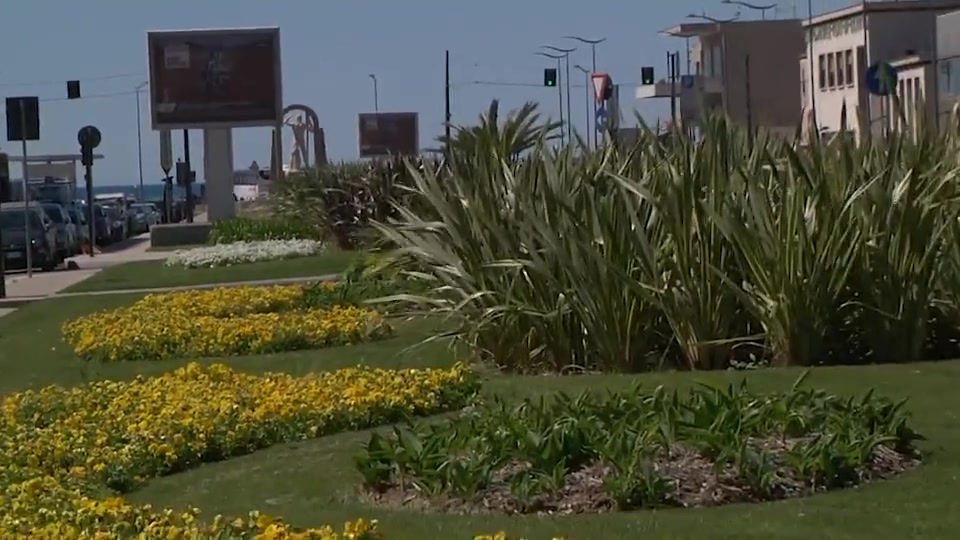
pixel 243 252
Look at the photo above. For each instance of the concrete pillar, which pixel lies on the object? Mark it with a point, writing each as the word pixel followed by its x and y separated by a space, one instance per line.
pixel 218 173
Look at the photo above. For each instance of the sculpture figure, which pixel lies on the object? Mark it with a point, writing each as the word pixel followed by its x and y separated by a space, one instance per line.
pixel 299 154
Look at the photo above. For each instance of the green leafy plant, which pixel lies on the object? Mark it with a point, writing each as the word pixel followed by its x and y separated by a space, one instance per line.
pixel 640 449
pixel 733 249
pixel 241 229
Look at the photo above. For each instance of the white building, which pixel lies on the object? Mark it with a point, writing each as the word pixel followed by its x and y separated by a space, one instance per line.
pixel 847 41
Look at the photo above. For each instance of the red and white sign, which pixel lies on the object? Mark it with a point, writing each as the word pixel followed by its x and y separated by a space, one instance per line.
pixel 599 84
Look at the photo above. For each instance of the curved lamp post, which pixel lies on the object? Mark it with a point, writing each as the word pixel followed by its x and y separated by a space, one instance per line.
pixel 558 58
pixel 593 69
pixel 762 8
pixel 566 57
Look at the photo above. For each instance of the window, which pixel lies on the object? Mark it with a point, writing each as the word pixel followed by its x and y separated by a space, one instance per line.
pixel 840 70
pixel 848 63
pixel 823 72
pixel 831 71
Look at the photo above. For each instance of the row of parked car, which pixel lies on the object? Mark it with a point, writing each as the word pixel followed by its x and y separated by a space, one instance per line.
pixel 54 232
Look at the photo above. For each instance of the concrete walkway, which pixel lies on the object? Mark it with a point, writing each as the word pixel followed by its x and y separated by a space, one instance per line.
pixel 12 302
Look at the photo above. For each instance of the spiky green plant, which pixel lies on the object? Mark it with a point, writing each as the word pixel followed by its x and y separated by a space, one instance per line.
pixel 693 253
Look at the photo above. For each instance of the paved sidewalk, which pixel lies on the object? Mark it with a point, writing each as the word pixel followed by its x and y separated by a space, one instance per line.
pixel 16 301
pixel 22 289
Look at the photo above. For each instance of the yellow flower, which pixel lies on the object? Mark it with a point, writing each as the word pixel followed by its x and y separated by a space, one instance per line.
pixel 218 322
pixel 61 448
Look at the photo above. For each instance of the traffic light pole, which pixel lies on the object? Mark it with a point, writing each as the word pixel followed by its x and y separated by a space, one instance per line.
pixel 446 95
pixel 563 137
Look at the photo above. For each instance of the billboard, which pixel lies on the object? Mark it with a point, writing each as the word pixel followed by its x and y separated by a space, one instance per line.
pixel 389 134
pixel 215 78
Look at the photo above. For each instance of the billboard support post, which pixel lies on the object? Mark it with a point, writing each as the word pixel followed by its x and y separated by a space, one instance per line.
pixel 218 171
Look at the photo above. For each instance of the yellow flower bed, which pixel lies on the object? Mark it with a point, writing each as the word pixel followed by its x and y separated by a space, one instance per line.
pixel 218 322
pixel 63 450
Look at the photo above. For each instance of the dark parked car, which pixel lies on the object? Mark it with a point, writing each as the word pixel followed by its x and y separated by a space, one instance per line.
pixel 79 218
pixel 41 242
pixel 116 222
pixel 102 226
pixel 67 244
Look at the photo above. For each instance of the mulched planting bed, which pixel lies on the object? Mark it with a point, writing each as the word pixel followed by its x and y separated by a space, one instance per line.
pixel 639 449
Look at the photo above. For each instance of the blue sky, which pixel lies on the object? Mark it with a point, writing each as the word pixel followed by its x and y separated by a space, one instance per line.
pixel 329 49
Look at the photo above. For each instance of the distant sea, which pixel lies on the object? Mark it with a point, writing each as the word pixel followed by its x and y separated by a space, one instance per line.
pixel 151 192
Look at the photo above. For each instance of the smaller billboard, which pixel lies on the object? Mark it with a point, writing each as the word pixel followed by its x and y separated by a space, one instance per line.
pixel 215 78
pixel 389 134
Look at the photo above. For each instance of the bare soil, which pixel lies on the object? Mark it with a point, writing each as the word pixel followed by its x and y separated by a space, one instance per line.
pixel 693 481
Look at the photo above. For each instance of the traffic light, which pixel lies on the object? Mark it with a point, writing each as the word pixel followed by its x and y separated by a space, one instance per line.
pixel 646 75
pixel 550 77
pixel 73 89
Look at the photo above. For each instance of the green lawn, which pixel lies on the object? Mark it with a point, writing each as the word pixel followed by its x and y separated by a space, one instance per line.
pixel 153 274
pixel 314 482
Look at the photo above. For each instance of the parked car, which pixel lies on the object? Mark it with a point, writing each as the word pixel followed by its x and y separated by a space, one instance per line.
pixel 79 219
pixel 143 216
pixel 116 222
pixel 42 239
pixel 102 226
pixel 67 243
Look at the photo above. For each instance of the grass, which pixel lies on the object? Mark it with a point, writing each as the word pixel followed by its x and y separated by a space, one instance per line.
pixel 314 482
pixel 153 274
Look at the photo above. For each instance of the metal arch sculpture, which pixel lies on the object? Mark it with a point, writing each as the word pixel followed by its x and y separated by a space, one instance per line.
pixel 312 123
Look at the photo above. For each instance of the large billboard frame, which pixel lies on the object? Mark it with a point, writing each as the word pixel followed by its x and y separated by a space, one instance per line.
pixel 388 115
pixel 272 31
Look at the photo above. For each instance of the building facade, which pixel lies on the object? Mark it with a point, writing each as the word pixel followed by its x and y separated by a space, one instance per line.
pixel 842 44
pixel 738 67
pixel 947 64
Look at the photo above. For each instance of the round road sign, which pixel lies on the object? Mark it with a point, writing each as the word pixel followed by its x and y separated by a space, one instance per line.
pixel 89 137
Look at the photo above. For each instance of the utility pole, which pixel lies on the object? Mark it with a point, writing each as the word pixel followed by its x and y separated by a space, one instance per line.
pixel 746 70
pixel 673 60
pixel 137 91
pixel 446 115
pixel 187 185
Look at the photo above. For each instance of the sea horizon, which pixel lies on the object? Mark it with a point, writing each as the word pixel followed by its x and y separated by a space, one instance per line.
pixel 151 192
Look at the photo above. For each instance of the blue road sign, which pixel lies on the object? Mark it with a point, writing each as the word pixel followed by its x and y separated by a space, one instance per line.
pixel 686 81
pixel 881 79
pixel 601 115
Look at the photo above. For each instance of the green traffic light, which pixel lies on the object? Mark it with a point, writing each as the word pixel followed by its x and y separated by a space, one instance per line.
pixel 551 83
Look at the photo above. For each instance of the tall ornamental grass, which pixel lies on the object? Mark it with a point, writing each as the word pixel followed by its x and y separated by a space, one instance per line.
pixel 698 254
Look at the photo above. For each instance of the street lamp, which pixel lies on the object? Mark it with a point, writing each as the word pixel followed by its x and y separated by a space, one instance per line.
pixel 566 57
pixel 756 7
pixel 376 94
pixel 586 92
pixel 593 54
pixel 137 91
pixel 705 17
pixel 559 90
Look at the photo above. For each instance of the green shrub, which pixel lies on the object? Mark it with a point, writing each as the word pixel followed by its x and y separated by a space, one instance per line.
pixel 242 229
pixel 728 250
pixel 344 199
pixel 635 449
